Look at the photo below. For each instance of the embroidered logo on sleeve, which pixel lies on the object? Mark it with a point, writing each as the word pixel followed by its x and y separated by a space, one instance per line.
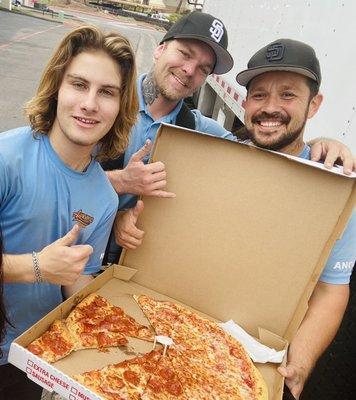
pixel 82 218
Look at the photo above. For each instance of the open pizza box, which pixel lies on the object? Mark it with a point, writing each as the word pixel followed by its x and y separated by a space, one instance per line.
pixel 246 239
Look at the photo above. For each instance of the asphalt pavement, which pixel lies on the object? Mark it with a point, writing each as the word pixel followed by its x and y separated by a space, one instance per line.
pixel 26 44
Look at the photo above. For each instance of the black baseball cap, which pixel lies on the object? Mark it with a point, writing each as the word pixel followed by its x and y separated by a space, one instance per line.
pixel 282 55
pixel 208 29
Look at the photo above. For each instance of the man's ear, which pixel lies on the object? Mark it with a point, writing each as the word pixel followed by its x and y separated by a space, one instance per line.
pixel 314 105
pixel 159 50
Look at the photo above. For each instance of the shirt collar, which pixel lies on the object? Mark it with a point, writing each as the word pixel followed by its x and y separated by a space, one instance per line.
pixel 169 118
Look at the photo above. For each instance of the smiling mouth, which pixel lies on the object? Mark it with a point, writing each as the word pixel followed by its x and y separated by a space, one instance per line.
pixel 180 81
pixel 86 121
pixel 270 124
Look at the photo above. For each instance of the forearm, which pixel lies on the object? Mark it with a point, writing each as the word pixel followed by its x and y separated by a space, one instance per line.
pixel 320 324
pixel 18 268
pixel 82 281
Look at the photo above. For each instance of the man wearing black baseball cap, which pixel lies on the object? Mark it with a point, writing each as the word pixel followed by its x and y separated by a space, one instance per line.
pixel 191 50
pixel 194 48
pixel 282 81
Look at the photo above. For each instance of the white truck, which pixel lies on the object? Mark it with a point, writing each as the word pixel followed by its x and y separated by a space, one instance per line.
pixel 327 25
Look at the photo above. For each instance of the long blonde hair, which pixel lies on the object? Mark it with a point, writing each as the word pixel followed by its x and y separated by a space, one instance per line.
pixel 41 109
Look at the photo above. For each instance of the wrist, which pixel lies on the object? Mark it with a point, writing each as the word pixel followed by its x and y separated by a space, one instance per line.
pixel 36 268
pixel 303 365
pixel 117 180
pixel 18 268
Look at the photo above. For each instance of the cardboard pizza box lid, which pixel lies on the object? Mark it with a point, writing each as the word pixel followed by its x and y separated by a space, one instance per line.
pixel 248 234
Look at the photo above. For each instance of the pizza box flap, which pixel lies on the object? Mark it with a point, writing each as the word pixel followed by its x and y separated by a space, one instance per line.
pixel 248 234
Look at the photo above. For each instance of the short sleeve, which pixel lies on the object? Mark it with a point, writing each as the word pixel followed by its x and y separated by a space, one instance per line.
pixel 208 125
pixel 341 262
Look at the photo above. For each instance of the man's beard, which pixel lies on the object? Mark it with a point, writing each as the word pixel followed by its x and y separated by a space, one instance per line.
pixel 282 141
pixel 170 94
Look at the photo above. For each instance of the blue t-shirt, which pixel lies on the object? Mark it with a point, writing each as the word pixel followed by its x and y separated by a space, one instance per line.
pixel 146 128
pixel 338 268
pixel 39 195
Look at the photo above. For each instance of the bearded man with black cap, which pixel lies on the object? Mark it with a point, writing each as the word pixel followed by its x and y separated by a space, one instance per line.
pixel 194 47
pixel 282 81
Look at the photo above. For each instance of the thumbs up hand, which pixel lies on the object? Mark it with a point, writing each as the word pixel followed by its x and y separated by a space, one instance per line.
pixel 127 234
pixel 62 262
pixel 140 178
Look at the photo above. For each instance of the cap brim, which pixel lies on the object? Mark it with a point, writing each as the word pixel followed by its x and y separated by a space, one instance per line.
pixel 244 77
pixel 224 60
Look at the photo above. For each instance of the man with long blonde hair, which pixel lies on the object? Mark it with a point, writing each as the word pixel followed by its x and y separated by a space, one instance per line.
pixel 57 205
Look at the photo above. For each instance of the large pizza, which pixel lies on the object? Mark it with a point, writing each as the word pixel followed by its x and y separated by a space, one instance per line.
pixel 204 362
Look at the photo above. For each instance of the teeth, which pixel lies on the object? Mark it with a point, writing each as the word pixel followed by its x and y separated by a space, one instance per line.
pixel 270 123
pixel 86 121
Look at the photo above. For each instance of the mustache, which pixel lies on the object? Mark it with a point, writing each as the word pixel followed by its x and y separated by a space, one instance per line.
pixel 263 116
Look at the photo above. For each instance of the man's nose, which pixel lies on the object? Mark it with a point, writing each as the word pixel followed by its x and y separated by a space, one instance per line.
pixel 90 101
pixel 271 104
pixel 190 67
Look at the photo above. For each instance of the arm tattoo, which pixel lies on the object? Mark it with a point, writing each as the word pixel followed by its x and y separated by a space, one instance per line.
pixel 150 90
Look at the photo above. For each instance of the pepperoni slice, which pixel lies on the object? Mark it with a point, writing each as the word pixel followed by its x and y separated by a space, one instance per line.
pixel 166 373
pixel 118 382
pixel 105 340
pixel 88 328
pixel 174 388
pixel 131 377
pixel 35 349
pixel 60 346
pixel 155 385
pixel 100 301
pixel 117 311
pixel 148 367
pixel 113 318
pixel 46 338
pixel 113 385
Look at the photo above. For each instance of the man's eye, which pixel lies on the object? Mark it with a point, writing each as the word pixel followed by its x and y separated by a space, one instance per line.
pixel 205 70
pixel 184 53
pixel 78 85
pixel 258 96
pixel 106 92
pixel 288 95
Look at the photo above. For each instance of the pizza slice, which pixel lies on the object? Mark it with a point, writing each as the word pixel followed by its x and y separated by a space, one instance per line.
pixel 54 344
pixel 117 321
pixel 161 314
pixel 203 347
pixel 199 378
pixel 125 380
pixel 164 383
pixel 202 342
pixel 95 321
